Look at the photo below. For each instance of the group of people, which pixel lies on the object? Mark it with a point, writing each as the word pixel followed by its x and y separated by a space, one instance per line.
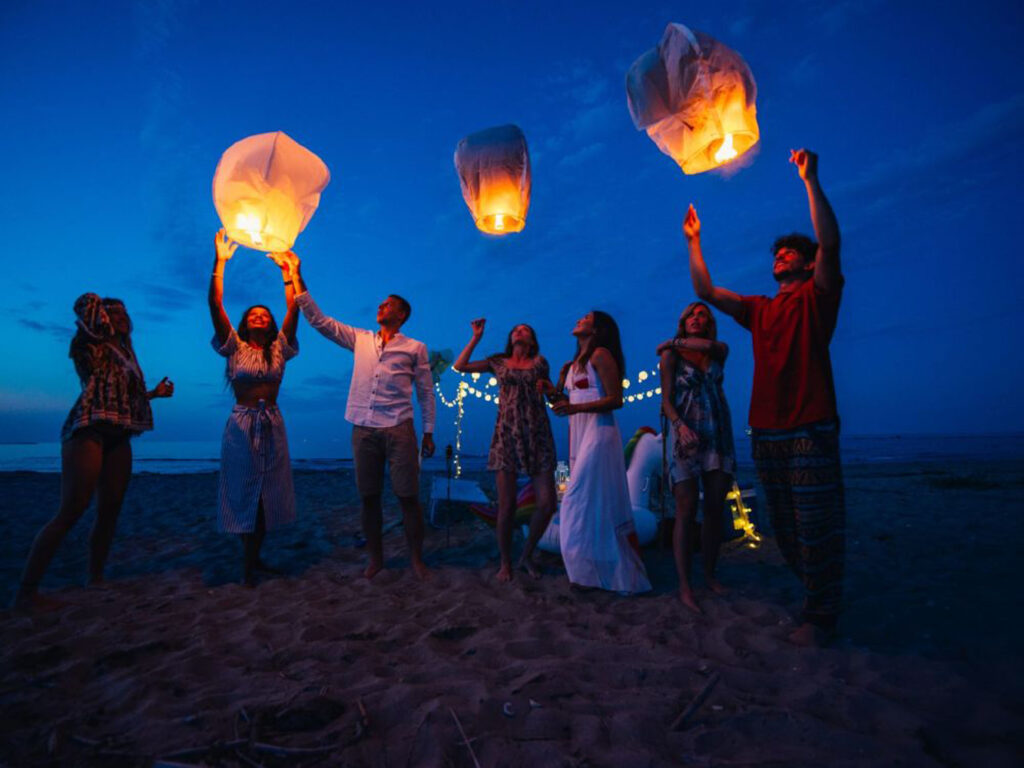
pixel 793 417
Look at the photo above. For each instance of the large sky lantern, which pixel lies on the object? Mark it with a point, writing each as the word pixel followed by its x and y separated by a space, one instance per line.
pixel 266 189
pixel 494 171
pixel 695 97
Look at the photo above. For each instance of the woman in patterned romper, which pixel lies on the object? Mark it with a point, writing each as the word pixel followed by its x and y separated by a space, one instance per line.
pixel 522 442
pixel 256 491
pixel 96 452
pixel 701 441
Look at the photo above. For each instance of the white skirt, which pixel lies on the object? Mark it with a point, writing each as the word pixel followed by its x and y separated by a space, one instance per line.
pixel 596 533
pixel 255 465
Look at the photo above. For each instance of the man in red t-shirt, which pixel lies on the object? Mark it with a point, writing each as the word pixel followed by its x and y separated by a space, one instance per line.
pixel 793 416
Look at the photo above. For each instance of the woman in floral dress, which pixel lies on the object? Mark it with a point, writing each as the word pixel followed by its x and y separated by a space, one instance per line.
pixel 522 442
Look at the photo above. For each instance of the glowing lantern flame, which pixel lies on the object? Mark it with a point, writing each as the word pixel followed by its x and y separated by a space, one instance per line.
pixel 266 189
pixel 695 97
pixel 727 151
pixel 494 173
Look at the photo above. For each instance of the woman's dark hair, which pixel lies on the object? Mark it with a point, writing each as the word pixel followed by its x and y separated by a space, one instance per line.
pixel 110 301
pixel 606 334
pixel 712 323
pixel 802 244
pixel 534 349
pixel 243 331
pixel 94 326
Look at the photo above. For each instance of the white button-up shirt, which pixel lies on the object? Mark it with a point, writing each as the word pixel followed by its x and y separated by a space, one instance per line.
pixel 380 394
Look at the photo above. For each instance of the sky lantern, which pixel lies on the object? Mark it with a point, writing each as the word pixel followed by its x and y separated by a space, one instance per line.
pixel 695 98
pixel 266 189
pixel 494 171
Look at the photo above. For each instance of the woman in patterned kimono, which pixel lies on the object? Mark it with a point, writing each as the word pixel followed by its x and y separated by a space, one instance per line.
pixel 700 439
pixel 96 452
pixel 522 443
pixel 256 492
pixel 596 532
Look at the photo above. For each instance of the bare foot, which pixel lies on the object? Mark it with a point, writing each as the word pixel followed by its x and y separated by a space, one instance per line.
pixel 527 564
pixel 420 569
pixel 716 586
pixel 809 635
pixel 686 598
pixel 505 573
pixel 373 569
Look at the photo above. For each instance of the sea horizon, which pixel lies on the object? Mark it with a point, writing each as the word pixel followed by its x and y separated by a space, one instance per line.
pixel 191 457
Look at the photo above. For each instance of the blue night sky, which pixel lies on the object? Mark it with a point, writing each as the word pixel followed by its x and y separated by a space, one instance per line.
pixel 115 115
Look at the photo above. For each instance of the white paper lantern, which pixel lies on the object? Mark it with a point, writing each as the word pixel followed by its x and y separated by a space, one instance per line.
pixel 266 189
pixel 695 97
pixel 494 172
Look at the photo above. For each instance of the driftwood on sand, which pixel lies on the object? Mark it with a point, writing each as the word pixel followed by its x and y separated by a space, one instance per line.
pixel 694 705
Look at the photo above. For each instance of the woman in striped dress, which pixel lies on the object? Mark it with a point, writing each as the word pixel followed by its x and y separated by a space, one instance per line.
pixel 96 452
pixel 256 491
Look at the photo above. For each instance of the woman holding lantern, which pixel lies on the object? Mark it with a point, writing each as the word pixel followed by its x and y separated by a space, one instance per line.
pixel 596 533
pixel 256 492
pixel 700 440
pixel 96 452
pixel 522 443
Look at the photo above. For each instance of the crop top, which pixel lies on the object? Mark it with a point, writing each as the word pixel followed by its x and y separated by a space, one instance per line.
pixel 248 365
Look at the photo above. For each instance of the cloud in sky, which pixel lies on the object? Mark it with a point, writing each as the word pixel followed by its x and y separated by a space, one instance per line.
pixel 965 144
pixel 59 331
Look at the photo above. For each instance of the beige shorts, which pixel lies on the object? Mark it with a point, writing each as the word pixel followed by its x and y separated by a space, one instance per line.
pixel 397 447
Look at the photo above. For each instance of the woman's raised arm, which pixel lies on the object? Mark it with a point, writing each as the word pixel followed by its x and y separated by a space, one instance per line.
pixel 224 249
pixel 462 364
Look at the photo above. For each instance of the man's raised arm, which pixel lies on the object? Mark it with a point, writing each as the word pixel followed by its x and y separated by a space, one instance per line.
pixel 341 334
pixel 827 271
pixel 720 298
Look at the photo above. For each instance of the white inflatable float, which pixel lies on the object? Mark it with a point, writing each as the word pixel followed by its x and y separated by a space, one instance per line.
pixel 643 468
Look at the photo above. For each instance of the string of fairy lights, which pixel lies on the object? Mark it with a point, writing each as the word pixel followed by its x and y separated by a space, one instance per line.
pixel 470 386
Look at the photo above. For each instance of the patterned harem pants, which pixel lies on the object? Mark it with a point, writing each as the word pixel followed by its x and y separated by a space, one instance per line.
pixel 803 485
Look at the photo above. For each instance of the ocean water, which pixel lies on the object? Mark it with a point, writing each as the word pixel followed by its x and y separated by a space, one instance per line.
pixel 192 457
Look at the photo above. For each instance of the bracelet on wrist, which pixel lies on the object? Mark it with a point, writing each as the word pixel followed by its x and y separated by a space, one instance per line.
pixel 289 282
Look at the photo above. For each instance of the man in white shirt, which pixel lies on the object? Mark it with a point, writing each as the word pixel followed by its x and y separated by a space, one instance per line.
pixel 387 366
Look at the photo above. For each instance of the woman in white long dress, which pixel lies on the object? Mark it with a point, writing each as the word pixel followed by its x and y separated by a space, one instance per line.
pixel 596 533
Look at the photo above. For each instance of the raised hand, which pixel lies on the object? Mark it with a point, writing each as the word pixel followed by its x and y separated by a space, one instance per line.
pixel 224 245
pixel 478 327
pixel 691 224
pixel 286 260
pixel 806 163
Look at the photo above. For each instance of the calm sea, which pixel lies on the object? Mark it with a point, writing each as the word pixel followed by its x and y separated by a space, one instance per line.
pixel 189 457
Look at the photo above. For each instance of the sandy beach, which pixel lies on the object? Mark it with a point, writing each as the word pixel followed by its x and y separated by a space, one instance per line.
pixel 173 661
